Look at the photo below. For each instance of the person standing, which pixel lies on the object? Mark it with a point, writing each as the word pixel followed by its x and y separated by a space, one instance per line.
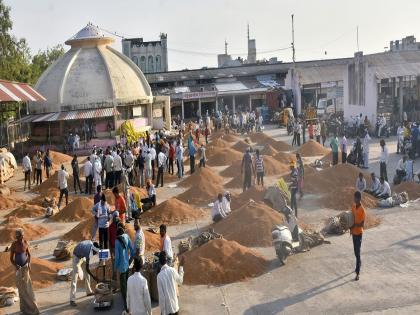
pixel 298 133
pixel 88 170
pixel 102 211
pixel 117 168
pixel 301 173
pixel 293 187
pixel 20 257
pixel 323 132
pixel 383 160
pixel 179 153
pixel 171 156
pixel 356 230
pixel 153 158
pixel 138 296
pixel 27 169
pixel 167 281
pixel 151 194
pixel 62 184
pixel 166 244
pixel 139 240
pixel 140 165
pixel 259 167
pixel 76 179
pixel 334 148
pixel 161 166
pixel 120 204
pixel 47 163
pixel 192 150
pixel 81 257
pixel 318 132
pixel 343 145
pixel 123 252
pixel 366 141
pixel 97 172
pixel 38 168
pixel 109 170
pixel 311 131
pixel 202 155
pixel 247 168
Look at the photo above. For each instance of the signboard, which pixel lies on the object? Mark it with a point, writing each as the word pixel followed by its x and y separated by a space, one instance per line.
pixel 197 95
pixel 328 84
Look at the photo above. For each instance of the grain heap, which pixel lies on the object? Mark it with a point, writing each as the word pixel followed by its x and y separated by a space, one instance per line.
pixel 263 139
pixel 27 210
pixel 250 225
pixel 240 146
pixel 219 143
pixel 203 192
pixel 171 212
pixel 7 165
pixel 152 240
pixel 220 261
pixel 9 226
pixel 255 193
pixel 269 150
pixel 7 203
pixel 313 148
pixel 43 272
pixel 82 231
pixel 327 159
pixel 342 199
pixel 371 220
pixel 203 174
pixel 76 210
pixel 59 158
pixel 230 138
pixel 412 189
pixel 225 156
pixel 285 157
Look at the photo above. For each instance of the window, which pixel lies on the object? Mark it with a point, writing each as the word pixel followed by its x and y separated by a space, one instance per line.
pixel 135 60
pixel 143 63
pixel 158 64
pixel 150 67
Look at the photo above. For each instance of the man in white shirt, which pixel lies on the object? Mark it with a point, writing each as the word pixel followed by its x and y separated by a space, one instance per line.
pixel 217 212
pixel 385 191
pixel 97 172
pixel 361 183
pixel 161 165
pixel 139 240
pixel 366 141
pixel 167 281
pixel 375 186
pixel 109 170
pixel 138 296
pixel 62 184
pixel 343 146
pixel 153 156
pixel 401 167
pixel 166 244
pixel 226 202
pixel 129 164
pixel 117 168
pixel 179 155
pixel 27 169
pixel 88 170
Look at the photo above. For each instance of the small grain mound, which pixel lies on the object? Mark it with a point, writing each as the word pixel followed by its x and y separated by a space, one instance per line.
pixel 81 232
pixel 269 150
pixel 201 193
pixel 27 211
pixel 220 262
pixel 76 210
pixel 371 221
pixel 342 199
pixel 250 225
pixel 259 138
pixel 255 193
pixel 9 226
pixel 263 139
pixel 202 174
pixel 219 143
pixel 233 170
pixel 60 158
pixel 224 157
pixel 313 148
pixel 7 203
pixel 240 146
pixel 43 272
pixel 285 157
pixel 171 212
pixel 152 239
pixel 327 159
pixel 230 138
pixel 412 189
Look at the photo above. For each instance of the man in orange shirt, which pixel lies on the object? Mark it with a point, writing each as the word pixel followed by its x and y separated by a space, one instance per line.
pixel 120 204
pixel 357 229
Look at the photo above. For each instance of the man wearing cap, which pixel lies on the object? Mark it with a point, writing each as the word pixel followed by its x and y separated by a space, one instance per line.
pixel 81 256
pixel 20 257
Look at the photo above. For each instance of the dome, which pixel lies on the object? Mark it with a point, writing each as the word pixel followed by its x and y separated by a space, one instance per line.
pixel 91 75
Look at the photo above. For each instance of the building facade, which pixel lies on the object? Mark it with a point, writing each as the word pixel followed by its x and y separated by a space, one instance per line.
pixel 150 57
pixel 407 43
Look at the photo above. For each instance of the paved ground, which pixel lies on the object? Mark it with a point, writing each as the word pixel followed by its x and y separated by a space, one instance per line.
pixel 316 282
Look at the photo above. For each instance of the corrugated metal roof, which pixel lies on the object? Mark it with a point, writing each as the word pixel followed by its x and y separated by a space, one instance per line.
pixel 313 75
pixel 18 92
pixel 73 115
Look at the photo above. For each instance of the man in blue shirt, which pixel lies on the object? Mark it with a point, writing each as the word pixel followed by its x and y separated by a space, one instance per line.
pixel 123 253
pixel 192 150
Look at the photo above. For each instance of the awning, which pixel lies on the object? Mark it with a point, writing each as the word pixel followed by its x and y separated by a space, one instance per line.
pixel 18 92
pixel 231 86
pixel 72 115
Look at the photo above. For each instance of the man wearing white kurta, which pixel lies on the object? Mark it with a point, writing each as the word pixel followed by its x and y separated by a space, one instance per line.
pixel 138 297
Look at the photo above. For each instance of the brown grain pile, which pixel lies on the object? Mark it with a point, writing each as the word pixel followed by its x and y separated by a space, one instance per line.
pixel 335 177
pixel 76 210
pixel 43 272
pixel 152 240
pixel 9 226
pixel 220 262
pixel 313 148
pixel 259 138
pixel 255 193
pixel 81 232
pixel 219 143
pixel 328 157
pixel 224 157
pixel 285 157
pixel 269 150
pixel 27 211
pixel 229 138
pixel 371 220
pixel 250 225
pixel 263 139
pixel 202 174
pixel 342 199
pixel 60 158
pixel 7 203
pixel 240 146
pixel 412 189
pixel 171 212
pixel 202 192
pixel 233 170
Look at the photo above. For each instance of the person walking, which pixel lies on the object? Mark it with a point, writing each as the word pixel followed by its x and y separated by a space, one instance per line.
pixel 120 204
pixel 27 169
pixel 88 170
pixel 82 254
pixel 20 257
pixel 76 178
pixel 118 165
pixel 383 160
pixel 38 168
pixel 62 184
pixel 179 153
pixel 171 156
pixel 97 172
pixel 356 230
pixel 301 173
pixel 247 169
pixel 167 281
pixel 102 211
pixel 334 148
pixel 203 158
pixel 140 165
pixel 153 158
pixel 192 150
pixel 138 296
pixel 323 132
pixel 343 146
pixel 139 240
pixel 161 167
pixel 47 163
pixel 166 244
pixel 366 144
pixel 259 167
pixel 294 185
pixel 123 252
pixel 109 170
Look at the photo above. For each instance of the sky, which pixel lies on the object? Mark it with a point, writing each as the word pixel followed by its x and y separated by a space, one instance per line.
pixel 197 29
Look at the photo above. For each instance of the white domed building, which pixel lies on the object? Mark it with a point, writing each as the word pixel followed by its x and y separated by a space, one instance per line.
pixel 94 86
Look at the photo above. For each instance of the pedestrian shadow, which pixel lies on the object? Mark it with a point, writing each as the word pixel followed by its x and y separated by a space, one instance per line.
pixel 281 304
pixel 406 243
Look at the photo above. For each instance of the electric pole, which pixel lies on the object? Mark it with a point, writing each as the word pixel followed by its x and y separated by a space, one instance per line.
pixel 293 39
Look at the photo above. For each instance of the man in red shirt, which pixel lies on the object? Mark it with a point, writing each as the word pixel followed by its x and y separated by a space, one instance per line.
pixel 120 205
pixel 356 230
